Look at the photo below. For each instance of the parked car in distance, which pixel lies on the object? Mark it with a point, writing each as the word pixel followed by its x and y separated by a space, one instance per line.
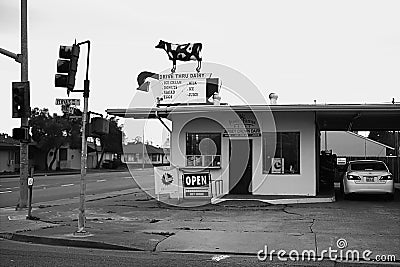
pixel 367 177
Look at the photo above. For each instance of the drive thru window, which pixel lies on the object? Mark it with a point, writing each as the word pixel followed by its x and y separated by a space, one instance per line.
pixel 203 149
pixel 286 159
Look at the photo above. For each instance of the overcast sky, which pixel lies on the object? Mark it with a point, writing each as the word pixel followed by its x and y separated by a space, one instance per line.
pixel 330 51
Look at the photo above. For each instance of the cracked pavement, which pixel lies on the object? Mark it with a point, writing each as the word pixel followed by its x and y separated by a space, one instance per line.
pixel 132 220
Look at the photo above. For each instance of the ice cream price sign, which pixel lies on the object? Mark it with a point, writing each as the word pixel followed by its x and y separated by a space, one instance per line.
pixel 180 88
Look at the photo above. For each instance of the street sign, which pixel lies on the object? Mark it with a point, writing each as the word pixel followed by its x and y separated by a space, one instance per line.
pixel 68 109
pixel 67 101
pixel 178 88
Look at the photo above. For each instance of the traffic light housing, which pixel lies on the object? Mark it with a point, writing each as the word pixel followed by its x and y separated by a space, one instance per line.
pixel 67 67
pixel 100 126
pixel 21 134
pixel 20 100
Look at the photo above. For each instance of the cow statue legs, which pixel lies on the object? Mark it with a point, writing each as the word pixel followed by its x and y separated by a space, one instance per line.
pixel 198 66
pixel 173 66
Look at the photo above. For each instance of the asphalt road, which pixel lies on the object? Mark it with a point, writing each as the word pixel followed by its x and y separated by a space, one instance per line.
pixel 48 188
pixel 25 254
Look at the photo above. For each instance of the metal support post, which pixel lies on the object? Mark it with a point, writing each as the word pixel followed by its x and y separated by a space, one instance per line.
pixel 24 161
pixel 397 160
pixel 30 188
pixel 23 59
pixel 82 216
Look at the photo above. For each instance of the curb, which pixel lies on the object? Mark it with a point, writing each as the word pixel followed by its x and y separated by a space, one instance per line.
pixel 65 242
pixel 107 246
pixel 62 173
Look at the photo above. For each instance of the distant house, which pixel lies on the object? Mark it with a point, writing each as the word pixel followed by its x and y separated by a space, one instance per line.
pixel 65 158
pixel 9 154
pixel 353 145
pixel 133 154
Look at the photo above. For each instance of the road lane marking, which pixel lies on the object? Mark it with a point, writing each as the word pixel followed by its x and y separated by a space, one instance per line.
pixel 127 177
pixel 64 185
pixel 5 192
pixel 101 180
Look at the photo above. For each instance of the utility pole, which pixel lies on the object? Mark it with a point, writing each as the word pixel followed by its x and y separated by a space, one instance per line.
pixel 23 60
pixel 24 161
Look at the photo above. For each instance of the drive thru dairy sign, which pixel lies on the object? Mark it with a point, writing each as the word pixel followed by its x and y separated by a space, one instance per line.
pixel 183 87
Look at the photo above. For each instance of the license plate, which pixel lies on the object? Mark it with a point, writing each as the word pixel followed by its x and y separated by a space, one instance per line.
pixel 369 179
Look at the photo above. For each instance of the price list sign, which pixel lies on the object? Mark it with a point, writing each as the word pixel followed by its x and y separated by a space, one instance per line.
pixel 179 88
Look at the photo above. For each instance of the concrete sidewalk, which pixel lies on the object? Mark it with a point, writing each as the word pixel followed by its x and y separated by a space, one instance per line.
pixel 129 220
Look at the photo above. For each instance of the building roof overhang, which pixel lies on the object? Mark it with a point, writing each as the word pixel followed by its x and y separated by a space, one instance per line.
pixel 327 116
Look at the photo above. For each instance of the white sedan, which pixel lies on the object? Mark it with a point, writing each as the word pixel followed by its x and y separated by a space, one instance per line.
pixel 367 177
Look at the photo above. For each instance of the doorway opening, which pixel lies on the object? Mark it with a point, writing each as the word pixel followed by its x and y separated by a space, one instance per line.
pixel 240 166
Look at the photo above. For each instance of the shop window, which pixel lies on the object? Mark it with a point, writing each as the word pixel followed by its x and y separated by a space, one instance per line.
pixel 129 157
pixel 286 157
pixel 203 149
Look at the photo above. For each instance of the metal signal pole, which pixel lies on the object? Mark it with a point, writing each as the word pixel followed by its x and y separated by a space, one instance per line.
pixel 82 195
pixel 24 160
pixel 23 59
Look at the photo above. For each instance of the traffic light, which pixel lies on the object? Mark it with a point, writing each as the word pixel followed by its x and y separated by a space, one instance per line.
pixel 100 126
pixel 20 100
pixel 67 67
pixel 20 134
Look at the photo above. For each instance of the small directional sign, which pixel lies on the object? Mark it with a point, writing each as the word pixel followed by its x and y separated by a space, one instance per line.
pixel 68 101
pixel 68 109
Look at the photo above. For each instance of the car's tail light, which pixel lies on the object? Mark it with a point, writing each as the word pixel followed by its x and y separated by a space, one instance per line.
pixel 353 177
pixel 386 177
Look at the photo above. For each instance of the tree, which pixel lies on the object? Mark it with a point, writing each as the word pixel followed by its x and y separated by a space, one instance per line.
pixel 52 132
pixel 111 142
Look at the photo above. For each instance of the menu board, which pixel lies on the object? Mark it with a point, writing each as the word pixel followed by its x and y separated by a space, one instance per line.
pixel 182 88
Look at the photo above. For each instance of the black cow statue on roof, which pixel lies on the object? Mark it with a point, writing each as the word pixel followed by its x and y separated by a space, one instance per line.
pixel 184 52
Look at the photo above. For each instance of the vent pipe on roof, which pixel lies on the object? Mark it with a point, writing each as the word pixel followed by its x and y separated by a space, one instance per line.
pixel 216 99
pixel 273 98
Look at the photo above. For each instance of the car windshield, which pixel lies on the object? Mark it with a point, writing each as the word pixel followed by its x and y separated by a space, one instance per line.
pixel 368 166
